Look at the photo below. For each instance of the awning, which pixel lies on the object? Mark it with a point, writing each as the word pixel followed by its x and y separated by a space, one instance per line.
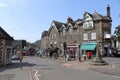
pixel 88 47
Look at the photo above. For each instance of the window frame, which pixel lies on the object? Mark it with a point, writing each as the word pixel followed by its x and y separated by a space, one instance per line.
pixel 85 36
pixel 93 36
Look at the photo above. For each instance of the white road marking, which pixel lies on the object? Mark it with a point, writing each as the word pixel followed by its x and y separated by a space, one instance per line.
pixel 36 74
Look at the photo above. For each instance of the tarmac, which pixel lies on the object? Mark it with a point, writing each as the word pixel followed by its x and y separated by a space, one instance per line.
pixel 15 73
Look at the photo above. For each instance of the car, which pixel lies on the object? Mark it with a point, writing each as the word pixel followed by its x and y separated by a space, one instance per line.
pixel 15 57
pixel 117 54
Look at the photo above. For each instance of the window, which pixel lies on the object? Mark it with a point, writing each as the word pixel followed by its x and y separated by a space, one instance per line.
pixel 88 24
pixel 64 32
pixel 93 36
pixel 106 34
pixel 78 30
pixel 55 42
pixel 53 36
pixel 85 36
pixel 51 42
pixel 70 31
pixel 85 25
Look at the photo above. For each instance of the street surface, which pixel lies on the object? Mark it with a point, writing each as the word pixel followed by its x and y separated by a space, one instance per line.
pixel 115 71
pixel 35 68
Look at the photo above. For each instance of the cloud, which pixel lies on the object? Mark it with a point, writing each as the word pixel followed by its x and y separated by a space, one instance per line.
pixel 19 2
pixel 13 3
pixel 3 5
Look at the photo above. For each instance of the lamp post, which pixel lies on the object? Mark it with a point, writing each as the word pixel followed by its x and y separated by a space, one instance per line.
pixel 65 49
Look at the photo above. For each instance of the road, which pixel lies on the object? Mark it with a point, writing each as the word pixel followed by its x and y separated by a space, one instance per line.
pixel 112 72
pixel 42 69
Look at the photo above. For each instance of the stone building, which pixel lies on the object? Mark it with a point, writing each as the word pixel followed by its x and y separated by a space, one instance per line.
pixel 93 29
pixel 54 34
pixel 5 47
pixel 44 40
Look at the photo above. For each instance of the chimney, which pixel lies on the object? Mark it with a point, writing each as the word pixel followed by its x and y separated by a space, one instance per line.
pixel 108 10
pixel 69 19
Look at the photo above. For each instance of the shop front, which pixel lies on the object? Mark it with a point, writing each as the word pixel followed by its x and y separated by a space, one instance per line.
pixel 88 48
pixel 72 50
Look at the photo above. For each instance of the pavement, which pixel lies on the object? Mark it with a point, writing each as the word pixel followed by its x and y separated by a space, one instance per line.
pixel 84 65
pixel 13 71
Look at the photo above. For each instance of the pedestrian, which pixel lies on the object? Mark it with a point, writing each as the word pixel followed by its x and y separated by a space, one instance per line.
pixel 110 53
pixel 79 56
pixel 20 58
pixel 74 54
pixel 84 55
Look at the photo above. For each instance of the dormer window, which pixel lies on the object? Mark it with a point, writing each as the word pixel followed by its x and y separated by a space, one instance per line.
pixel 85 25
pixel 70 31
pixel 88 22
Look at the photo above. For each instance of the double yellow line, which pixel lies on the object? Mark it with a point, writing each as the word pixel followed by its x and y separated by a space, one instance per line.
pixel 36 78
pixel 35 75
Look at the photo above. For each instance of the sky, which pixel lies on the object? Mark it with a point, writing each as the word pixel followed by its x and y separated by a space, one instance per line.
pixel 27 19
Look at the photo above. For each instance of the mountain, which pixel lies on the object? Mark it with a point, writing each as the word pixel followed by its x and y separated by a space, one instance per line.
pixel 37 43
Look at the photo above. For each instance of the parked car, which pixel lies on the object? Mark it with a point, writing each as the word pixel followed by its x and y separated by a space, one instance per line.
pixel 117 54
pixel 15 57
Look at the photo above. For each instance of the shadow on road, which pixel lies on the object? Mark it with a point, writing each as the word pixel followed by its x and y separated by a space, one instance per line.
pixel 15 65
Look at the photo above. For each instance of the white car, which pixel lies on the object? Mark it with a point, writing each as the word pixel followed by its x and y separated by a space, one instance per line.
pixel 15 57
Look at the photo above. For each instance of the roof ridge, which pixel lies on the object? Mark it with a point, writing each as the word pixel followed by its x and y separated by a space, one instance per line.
pixel 4 34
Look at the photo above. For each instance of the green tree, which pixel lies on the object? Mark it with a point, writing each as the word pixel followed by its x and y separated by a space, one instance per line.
pixel 114 39
pixel 117 33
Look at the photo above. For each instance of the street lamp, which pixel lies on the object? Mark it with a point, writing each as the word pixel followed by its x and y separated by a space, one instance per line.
pixel 65 49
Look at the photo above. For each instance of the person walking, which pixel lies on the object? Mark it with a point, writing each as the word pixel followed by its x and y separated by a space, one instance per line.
pixel 110 53
pixel 84 55
pixel 20 58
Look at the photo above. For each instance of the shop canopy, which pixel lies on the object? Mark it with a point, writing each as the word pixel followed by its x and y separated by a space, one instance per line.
pixel 88 46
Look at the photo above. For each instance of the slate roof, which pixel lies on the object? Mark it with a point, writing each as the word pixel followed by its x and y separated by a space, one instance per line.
pixel 58 24
pixel 78 21
pixel 4 34
pixel 65 24
pixel 97 16
pixel 44 33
